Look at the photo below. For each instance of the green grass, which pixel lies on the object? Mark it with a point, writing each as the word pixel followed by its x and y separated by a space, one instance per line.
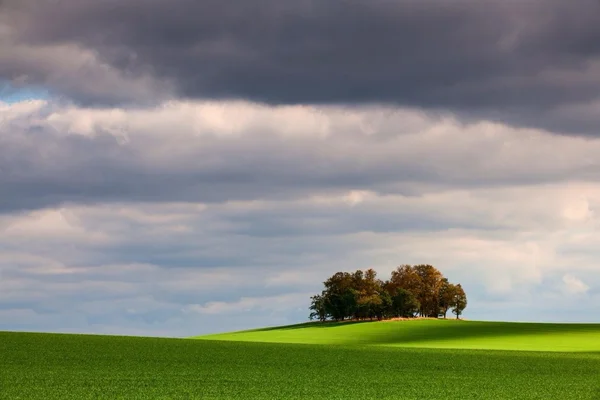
pixel 362 361
pixel 433 334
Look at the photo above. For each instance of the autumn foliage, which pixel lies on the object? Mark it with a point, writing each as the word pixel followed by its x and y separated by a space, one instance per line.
pixel 411 291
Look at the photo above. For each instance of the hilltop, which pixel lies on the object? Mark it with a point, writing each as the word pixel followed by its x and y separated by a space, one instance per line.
pixel 431 333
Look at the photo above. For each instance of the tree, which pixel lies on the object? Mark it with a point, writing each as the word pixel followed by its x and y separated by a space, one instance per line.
pixel 411 290
pixel 446 296
pixel 317 307
pixel 369 305
pixel 340 299
pixel 428 295
pixel 404 277
pixel 340 305
pixel 383 308
pixel 368 298
pixel 404 303
pixel 459 302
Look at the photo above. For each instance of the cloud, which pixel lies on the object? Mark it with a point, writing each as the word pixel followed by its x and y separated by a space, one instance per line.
pixel 574 285
pixel 49 224
pixel 171 219
pixel 237 259
pixel 534 64
pixel 196 166
pixel 68 69
pixel 54 154
pixel 245 304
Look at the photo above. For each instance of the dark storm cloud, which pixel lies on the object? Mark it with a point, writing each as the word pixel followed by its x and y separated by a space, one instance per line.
pixel 513 61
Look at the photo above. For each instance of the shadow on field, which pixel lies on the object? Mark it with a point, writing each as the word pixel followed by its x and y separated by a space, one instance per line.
pixel 465 330
pixel 304 325
pixel 392 332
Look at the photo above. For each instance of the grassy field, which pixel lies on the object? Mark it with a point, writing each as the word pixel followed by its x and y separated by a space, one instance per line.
pixel 433 334
pixel 361 365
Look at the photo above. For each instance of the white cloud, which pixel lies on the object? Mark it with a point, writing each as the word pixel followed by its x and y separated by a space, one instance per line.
pixel 355 197
pixel 578 210
pixel 72 69
pixel 574 285
pixel 49 224
pixel 246 304
pixel 14 111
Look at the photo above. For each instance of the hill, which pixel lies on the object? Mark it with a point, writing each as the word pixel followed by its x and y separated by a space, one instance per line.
pixel 53 366
pixel 432 334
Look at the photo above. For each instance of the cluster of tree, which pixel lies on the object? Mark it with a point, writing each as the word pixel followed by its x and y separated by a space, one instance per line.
pixel 419 290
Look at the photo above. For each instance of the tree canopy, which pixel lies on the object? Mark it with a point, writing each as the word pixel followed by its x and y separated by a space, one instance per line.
pixel 419 290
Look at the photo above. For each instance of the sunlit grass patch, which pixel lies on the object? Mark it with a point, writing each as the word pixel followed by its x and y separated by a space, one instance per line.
pixel 433 334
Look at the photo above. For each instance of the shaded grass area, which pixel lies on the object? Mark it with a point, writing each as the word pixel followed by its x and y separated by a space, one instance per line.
pixel 433 334
pixel 50 366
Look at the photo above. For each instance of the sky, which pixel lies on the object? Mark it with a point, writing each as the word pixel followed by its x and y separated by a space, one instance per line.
pixel 176 168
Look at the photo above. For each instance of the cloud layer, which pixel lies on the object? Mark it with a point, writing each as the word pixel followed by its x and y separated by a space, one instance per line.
pixel 216 152
pixel 196 217
pixel 535 63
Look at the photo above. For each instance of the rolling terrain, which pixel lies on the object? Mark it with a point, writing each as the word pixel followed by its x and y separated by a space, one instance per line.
pixel 432 334
pixel 379 360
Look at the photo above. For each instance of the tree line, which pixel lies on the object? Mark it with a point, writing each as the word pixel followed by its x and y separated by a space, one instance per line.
pixel 420 290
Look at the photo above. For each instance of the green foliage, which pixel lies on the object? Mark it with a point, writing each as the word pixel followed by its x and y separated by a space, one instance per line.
pixel 459 300
pixel 384 306
pixel 47 367
pixel 317 307
pixel 404 304
pixel 446 296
